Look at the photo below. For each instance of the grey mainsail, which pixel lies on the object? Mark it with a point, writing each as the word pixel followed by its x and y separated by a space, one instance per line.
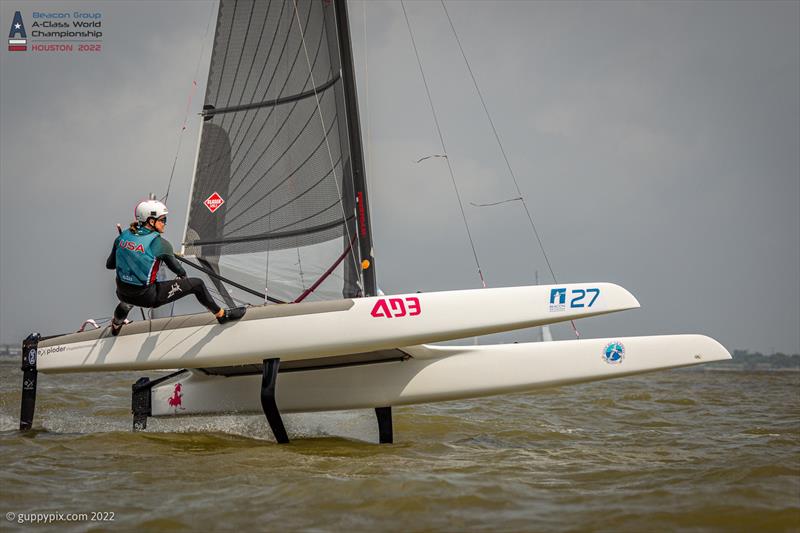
pixel 278 200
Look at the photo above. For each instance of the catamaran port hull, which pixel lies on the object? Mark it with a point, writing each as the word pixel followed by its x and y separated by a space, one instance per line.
pixel 436 373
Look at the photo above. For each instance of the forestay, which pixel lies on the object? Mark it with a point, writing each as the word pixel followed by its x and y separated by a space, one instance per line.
pixel 275 204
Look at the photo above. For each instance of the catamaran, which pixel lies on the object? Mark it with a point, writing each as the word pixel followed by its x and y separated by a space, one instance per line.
pixel 279 211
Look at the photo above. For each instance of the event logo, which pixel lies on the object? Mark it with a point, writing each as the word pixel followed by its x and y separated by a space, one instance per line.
pixel 56 31
pixel 614 353
pixel 17 38
pixel 214 202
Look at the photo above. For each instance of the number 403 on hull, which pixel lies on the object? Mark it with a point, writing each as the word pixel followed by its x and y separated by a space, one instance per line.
pixel 396 307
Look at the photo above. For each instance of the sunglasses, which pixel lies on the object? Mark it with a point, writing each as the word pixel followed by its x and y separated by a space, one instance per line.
pixel 163 220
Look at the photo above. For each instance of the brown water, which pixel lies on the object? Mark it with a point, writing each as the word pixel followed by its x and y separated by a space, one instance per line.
pixel 679 450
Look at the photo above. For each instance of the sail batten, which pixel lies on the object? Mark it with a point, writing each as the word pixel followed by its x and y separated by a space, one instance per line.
pixel 266 90
pixel 274 187
pixel 277 160
pixel 274 234
pixel 274 102
pixel 286 204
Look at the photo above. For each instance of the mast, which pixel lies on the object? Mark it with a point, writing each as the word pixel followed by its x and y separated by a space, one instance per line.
pixel 363 224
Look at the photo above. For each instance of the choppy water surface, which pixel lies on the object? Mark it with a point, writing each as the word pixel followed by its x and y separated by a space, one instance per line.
pixel 679 450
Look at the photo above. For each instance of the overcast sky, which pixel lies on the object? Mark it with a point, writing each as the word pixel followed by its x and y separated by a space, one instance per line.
pixel 657 144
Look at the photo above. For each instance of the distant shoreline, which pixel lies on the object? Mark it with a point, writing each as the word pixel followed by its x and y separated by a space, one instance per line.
pixel 725 367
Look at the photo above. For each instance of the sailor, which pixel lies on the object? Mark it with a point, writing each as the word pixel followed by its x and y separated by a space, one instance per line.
pixel 137 254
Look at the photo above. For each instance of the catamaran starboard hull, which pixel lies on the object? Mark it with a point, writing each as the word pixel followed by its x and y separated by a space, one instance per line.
pixel 327 329
pixel 437 373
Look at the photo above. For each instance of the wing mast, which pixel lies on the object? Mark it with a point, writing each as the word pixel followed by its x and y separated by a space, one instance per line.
pixel 356 150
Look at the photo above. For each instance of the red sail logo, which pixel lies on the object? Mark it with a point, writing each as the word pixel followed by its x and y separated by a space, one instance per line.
pixel 214 202
pixel 396 307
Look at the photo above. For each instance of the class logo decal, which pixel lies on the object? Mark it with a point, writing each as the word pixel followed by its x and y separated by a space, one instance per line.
pixel 214 202
pixel 558 299
pixel 614 353
pixel 32 357
pixel 17 38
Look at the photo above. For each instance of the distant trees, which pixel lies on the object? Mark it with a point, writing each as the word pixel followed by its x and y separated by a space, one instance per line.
pixel 757 360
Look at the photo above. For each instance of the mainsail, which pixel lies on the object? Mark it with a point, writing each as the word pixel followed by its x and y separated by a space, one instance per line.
pixel 279 200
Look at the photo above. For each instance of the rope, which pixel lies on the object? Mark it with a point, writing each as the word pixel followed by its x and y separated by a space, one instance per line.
pixel 269 246
pixel 230 282
pixel 444 149
pixel 517 199
pixel 521 198
pixel 325 274
pixel 219 298
pixel 188 105
pixel 300 269
pixel 327 143
pixel 421 159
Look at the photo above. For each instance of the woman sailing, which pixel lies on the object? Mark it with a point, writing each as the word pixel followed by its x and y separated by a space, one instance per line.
pixel 137 255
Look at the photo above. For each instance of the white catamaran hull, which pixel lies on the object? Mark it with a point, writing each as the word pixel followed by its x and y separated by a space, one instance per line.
pixel 435 373
pixel 327 329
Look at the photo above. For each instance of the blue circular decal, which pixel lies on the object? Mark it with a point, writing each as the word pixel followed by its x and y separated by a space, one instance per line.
pixel 614 353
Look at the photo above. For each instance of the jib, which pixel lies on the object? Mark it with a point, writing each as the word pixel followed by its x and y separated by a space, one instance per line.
pixel 396 307
pixel 131 246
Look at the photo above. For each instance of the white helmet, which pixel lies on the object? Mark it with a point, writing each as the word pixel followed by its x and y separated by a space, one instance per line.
pixel 150 209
